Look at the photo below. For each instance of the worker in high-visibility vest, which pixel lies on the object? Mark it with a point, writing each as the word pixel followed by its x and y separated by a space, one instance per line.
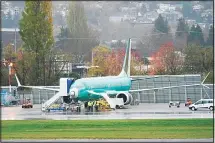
pixel 90 104
pixel 96 105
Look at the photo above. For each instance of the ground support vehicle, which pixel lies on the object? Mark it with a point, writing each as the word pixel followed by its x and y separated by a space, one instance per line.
pixel 27 103
pixel 171 103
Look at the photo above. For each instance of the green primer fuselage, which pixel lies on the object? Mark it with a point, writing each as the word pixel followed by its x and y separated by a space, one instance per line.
pixel 113 84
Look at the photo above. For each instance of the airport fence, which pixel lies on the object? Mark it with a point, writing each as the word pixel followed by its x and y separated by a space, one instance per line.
pixel 160 96
pixel 173 94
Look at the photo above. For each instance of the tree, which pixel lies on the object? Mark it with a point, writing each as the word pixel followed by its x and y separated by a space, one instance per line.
pixel 210 37
pixel 181 34
pixel 83 36
pixel 196 35
pixel 9 53
pixel 24 62
pixel 37 35
pixel 110 62
pixel 62 43
pixel 9 56
pixel 182 27
pixel 161 25
pixel 160 34
pixel 100 54
pixel 198 60
pixel 166 60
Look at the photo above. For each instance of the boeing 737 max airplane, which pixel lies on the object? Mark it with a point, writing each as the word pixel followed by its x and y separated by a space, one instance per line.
pixel 93 88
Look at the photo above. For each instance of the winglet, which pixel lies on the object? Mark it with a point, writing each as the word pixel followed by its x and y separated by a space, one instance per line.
pixel 18 81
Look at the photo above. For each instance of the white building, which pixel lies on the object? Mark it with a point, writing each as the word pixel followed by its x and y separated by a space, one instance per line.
pixel 198 7
pixel 151 16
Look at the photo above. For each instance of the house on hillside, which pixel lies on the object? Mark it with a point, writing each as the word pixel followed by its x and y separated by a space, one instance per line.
pixel 151 16
pixel 198 7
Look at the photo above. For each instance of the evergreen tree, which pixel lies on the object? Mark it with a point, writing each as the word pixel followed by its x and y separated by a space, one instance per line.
pixel 161 25
pixel 196 35
pixel 182 27
pixel 210 36
pixel 199 35
pixel 181 35
pixel 37 34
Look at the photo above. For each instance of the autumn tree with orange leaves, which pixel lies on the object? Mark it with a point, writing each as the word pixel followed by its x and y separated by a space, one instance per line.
pixel 110 62
pixel 166 60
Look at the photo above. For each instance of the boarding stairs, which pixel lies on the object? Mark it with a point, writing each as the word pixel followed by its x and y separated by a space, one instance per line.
pixel 49 102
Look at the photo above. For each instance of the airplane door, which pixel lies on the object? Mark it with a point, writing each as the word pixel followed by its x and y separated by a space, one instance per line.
pixel 69 83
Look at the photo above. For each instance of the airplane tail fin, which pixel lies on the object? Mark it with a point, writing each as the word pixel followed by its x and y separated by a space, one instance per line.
pixel 127 61
pixel 18 81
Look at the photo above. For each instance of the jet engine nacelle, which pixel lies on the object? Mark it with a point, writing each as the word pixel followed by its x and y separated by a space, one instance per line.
pixel 127 97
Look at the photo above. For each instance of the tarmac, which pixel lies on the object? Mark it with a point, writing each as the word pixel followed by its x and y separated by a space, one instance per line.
pixel 141 111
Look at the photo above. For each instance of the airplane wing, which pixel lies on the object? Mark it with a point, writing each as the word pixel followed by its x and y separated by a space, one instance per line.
pixel 160 88
pixel 6 87
pixel 40 87
pixel 35 87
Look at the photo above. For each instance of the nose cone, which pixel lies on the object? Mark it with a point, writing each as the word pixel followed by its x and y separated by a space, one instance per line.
pixel 73 92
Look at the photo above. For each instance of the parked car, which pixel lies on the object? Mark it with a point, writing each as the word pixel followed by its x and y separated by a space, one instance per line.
pixel 202 103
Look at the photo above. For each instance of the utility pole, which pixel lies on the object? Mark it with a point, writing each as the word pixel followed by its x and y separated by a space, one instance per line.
pixel 15 31
pixel 10 66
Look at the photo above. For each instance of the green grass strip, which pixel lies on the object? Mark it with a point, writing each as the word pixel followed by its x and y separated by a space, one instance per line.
pixel 108 129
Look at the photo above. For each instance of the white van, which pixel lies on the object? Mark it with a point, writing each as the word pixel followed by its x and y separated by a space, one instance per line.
pixel 202 103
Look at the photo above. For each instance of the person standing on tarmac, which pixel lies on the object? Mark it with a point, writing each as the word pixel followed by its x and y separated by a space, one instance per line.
pixel 89 106
pixel 96 105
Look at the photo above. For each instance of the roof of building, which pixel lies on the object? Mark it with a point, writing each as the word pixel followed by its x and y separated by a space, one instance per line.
pixel 9 29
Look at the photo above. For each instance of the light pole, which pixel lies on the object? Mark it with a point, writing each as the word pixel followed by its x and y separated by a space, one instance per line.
pixel 15 30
